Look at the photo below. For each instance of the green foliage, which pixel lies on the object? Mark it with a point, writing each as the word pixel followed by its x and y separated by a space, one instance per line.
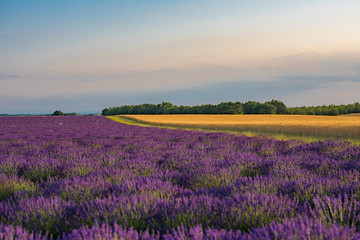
pixel 229 108
pixel 169 108
pixel 331 110
pixel 58 113
pixel 10 185
pixel 266 108
pixel 280 107
pixel 270 107
pixel 71 114
pixel 250 107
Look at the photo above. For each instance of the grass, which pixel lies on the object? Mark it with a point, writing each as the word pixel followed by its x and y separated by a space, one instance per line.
pixel 129 121
pixel 303 127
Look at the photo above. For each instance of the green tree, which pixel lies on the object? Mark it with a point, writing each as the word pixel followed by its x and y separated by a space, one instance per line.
pixel 280 106
pixel 229 108
pixel 71 114
pixel 166 107
pixel 266 108
pixel 58 113
pixel 105 111
pixel 250 107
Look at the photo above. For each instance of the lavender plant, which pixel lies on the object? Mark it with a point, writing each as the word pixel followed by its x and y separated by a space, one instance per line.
pixel 92 178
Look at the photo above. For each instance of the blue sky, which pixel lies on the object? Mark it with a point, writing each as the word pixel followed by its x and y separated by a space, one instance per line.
pixel 84 56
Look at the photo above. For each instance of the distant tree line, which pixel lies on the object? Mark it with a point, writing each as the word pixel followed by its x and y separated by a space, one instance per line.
pixel 55 113
pixel 332 110
pixel 60 113
pixel 15 115
pixel 250 107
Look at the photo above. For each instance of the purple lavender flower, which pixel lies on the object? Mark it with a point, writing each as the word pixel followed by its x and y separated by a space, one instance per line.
pixel 91 178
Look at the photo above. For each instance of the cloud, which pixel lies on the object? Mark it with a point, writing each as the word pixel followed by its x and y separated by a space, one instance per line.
pixel 209 93
pixel 319 79
pixel 301 67
pixel 321 52
pixel 293 90
pixel 303 79
pixel 9 76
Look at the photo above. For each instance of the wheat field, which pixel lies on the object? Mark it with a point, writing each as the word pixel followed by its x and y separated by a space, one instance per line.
pixel 307 125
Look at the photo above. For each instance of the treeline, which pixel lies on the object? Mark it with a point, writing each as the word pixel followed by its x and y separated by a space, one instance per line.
pixel 250 107
pixel 331 110
pixel 60 113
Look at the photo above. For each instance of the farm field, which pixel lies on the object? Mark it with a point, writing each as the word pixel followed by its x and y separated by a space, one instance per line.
pixel 93 178
pixel 347 126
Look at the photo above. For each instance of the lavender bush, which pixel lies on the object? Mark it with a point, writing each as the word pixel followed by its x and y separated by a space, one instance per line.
pixel 92 178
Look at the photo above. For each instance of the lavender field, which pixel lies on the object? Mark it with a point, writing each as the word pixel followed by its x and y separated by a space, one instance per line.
pixel 92 178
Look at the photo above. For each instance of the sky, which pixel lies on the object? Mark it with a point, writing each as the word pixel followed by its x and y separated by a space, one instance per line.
pixel 84 56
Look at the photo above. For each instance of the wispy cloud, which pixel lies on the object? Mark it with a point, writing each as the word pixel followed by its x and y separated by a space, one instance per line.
pixel 320 78
pixel 9 76
pixel 303 79
pixel 315 50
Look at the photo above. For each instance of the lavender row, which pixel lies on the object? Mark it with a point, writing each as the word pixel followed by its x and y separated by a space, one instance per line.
pixel 297 228
pixel 77 177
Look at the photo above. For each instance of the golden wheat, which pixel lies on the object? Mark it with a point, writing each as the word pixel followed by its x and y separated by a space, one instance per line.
pixel 329 126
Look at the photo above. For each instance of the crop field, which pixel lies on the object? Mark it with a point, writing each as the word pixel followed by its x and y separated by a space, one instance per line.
pixel 347 127
pixel 94 178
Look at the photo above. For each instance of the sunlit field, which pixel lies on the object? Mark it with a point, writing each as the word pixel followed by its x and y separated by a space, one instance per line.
pixel 94 178
pixel 306 125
